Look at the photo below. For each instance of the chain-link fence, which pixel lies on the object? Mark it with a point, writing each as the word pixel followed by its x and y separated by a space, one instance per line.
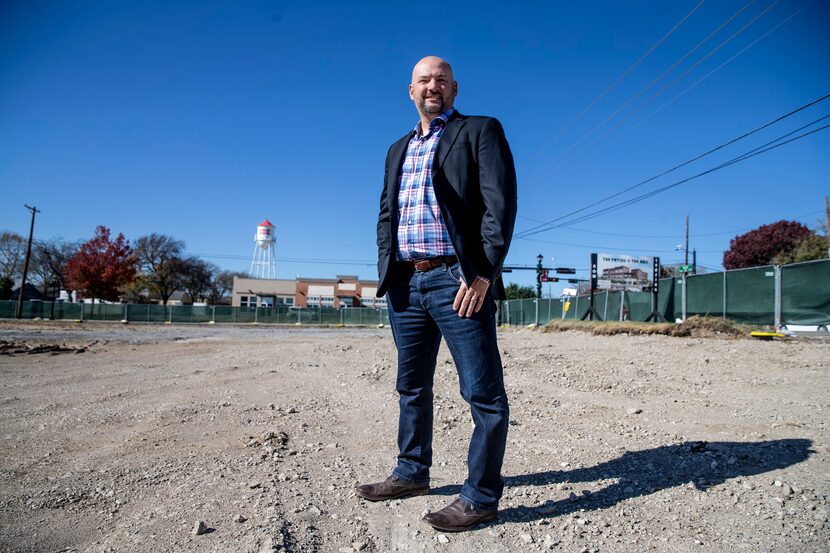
pixel 772 295
pixel 797 294
pixel 152 313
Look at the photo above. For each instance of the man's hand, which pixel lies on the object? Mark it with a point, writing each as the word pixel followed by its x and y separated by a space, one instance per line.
pixel 469 299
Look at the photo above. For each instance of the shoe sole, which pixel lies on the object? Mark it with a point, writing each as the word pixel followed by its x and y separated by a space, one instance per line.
pixel 408 493
pixel 484 520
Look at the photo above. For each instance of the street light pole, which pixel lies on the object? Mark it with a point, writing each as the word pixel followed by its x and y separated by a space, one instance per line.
pixel 686 257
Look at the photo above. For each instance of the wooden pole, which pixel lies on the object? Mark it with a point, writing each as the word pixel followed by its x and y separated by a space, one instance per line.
pixel 827 222
pixel 19 314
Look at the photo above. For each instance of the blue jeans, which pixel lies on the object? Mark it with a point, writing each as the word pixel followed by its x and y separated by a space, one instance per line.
pixel 420 312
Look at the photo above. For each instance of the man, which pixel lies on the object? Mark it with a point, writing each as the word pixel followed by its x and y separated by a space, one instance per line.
pixel 446 219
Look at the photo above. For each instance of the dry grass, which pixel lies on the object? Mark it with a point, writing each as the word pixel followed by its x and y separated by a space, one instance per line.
pixel 697 327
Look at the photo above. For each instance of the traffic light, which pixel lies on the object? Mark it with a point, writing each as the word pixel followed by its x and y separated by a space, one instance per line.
pixel 545 276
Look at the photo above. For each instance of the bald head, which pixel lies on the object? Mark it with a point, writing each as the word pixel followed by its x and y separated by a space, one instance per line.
pixel 432 63
pixel 433 88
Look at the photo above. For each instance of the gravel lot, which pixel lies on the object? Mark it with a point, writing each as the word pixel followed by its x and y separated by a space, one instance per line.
pixel 124 438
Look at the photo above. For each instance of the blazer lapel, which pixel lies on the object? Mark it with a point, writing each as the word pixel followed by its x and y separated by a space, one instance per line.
pixel 454 126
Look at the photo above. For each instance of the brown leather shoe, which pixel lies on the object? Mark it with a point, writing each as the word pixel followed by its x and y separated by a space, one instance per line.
pixel 459 516
pixel 391 488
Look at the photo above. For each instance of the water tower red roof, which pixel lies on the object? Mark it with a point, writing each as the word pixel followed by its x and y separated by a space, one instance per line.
pixel 265 223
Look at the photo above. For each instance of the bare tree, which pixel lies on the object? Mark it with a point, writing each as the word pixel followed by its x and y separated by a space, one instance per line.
pixel 12 251
pixel 48 260
pixel 159 258
pixel 197 277
pixel 222 286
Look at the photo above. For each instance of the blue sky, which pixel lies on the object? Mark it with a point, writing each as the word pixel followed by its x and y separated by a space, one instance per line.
pixel 198 119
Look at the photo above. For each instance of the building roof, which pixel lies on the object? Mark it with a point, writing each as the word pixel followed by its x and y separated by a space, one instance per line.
pixel 265 223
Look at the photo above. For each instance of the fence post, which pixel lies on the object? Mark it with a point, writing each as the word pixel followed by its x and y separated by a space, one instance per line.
pixel 605 309
pixel 777 269
pixel 213 314
pixel 125 312
pixel 724 293
pixel 683 299
pixel 622 303
pixel 536 301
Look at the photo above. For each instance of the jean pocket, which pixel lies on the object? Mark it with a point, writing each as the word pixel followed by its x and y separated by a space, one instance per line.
pixel 454 272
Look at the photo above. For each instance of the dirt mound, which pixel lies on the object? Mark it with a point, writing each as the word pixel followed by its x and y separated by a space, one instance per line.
pixel 695 327
pixel 709 327
pixel 14 347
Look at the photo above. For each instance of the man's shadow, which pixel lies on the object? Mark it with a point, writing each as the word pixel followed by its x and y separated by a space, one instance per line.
pixel 639 473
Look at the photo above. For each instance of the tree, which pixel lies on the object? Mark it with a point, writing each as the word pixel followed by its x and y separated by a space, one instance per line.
pixel 159 259
pixel 137 290
pixel 12 251
pixel 6 287
pixel 48 260
pixel 762 245
pixel 222 286
pixel 516 292
pixel 101 266
pixel 810 248
pixel 197 277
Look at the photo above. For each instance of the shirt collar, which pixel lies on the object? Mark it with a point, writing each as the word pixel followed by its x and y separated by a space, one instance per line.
pixel 441 120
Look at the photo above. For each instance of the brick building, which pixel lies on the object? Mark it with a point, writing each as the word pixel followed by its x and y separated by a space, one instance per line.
pixel 342 291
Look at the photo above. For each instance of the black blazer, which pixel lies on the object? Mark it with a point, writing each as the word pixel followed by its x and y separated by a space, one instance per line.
pixel 475 186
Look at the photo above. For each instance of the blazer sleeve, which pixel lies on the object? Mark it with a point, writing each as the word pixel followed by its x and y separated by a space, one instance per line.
pixel 384 239
pixel 497 178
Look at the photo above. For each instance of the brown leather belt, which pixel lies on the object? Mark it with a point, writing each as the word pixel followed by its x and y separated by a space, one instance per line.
pixel 431 263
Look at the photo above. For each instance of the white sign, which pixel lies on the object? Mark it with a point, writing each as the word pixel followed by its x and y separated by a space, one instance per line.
pixel 624 272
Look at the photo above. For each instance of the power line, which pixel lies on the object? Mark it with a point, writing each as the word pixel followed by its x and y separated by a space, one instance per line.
pixel 588 245
pixel 738 159
pixel 661 108
pixel 292 259
pixel 743 157
pixel 679 233
pixel 616 82
pixel 680 165
pixel 649 85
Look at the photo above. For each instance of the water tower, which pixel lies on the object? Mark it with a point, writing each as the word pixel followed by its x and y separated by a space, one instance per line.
pixel 264 264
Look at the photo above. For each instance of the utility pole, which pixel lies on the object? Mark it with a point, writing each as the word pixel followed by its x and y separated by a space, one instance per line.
pixel 34 210
pixel 827 222
pixel 539 260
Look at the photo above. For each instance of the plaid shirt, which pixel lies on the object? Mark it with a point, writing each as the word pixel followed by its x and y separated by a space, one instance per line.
pixel 422 233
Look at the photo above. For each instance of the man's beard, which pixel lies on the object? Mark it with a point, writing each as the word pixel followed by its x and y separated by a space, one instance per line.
pixel 433 108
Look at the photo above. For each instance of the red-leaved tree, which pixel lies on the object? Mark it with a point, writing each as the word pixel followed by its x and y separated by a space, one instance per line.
pixel 760 246
pixel 101 266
